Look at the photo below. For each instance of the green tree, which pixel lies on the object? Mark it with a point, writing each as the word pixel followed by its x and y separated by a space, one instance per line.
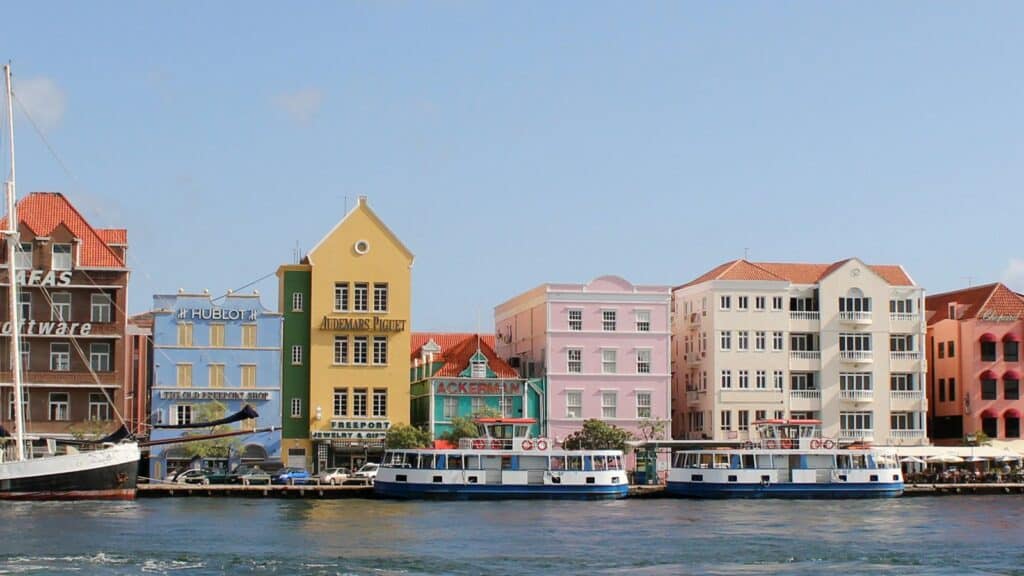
pixel 651 429
pixel 215 447
pixel 406 436
pixel 462 427
pixel 597 435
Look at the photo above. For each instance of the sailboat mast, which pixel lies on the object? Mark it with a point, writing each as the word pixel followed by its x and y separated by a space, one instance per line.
pixel 12 285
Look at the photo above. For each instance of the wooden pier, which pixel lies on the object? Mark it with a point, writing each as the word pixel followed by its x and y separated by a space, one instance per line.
pixel 255 491
pixel 963 489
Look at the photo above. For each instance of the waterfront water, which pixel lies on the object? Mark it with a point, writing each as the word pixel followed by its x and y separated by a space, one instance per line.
pixel 936 535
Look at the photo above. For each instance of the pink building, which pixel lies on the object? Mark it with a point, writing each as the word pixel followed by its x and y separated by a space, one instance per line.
pixel 602 347
pixel 974 362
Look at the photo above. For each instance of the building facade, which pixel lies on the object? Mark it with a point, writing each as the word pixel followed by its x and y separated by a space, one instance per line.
pixel 602 349
pixel 460 375
pixel 72 293
pixel 211 357
pixel 839 342
pixel 974 361
pixel 350 357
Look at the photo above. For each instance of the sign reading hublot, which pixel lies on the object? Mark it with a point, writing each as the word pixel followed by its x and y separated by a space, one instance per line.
pixel 372 324
pixel 216 313
pixel 213 395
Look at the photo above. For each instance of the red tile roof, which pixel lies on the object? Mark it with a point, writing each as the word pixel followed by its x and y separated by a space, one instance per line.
pixel 975 301
pixel 797 273
pixel 113 235
pixel 44 212
pixel 458 348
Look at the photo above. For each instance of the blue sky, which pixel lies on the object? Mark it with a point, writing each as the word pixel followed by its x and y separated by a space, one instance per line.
pixel 518 143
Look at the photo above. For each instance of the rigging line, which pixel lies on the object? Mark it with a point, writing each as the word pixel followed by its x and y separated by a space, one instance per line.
pixel 239 289
pixel 46 142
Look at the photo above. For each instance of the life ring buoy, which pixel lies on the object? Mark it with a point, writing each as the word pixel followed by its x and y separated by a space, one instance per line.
pixel 496 444
pixel 527 444
pixel 787 443
pixel 478 444
pixel 542 444
pixel 815 444
pixel 828 444
pixel 772 444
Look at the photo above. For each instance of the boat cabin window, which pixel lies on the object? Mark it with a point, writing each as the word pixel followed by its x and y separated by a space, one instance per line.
pixel 574 462
pixel 522 430
pixel 454 461
pixel 850 461
pixel 472 462
pixel 426 462
pixel 599 463
pixel 506 463
pixel 615 462
pixel 558 462
pixel 499 431
pixel 721 460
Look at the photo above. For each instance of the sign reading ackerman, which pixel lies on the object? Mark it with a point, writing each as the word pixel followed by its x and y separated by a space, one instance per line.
pixel 374 324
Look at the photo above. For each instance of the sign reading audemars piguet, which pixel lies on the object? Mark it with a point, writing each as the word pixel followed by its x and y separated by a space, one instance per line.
pixel 372 324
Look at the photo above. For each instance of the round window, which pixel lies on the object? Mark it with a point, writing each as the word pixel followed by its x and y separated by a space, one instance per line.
pixel 362 247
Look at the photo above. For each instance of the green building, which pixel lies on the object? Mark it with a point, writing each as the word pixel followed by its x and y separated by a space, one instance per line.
pixel 460 375
pixel 294 284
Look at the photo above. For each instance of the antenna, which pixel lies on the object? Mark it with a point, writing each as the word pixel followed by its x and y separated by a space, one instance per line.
pixel 746 253
pixel 970 280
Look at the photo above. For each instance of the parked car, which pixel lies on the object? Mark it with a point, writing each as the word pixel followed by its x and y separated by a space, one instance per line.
pixel 367 473
pixel 194 476
pixel 293 476
pixel 245 474
pixel 333 476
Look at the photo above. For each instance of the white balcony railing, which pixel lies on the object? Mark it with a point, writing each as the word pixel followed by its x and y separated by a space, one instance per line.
pixel 857 434
pixel 805 394
pixel 805 354
pixel 859 317
pixel 805 315
pixel 857 395
pixel 906 434
pixel 905 355
pixel 856 355
pixel 903 317
pixel 906 394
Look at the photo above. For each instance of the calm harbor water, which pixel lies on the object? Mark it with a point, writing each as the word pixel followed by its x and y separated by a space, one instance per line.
pixel 941 535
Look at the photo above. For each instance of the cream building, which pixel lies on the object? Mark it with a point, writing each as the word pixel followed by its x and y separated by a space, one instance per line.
pixel 837 342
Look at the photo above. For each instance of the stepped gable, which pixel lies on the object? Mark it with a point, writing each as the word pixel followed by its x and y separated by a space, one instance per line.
pixel 44 212
pixel 975 301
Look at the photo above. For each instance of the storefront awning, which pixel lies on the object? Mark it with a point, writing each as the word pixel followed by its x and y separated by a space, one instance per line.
pixel 1011 337
pixel 1011 375
pixel 988 375
pixel 989 413
pixel 1011 413
pixel 988 337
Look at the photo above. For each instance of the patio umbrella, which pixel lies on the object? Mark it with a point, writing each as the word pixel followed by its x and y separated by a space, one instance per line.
pixel 945 459
pixel 911 460
pixel 1008 458
pixel 976 459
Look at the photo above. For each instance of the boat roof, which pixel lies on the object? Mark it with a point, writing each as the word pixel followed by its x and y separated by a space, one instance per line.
pixel 505 420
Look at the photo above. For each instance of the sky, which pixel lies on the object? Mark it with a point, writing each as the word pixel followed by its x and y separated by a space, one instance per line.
pixel 511 144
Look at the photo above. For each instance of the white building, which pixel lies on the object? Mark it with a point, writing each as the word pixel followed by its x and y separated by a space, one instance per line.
pixel 837 342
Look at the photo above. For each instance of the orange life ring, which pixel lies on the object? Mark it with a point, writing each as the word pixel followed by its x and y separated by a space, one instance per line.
pixel 828 444
pixel 496 444
pixel 542 444
pixel 787 443
pixel 478 444
pixel 527 444
pixel 815 444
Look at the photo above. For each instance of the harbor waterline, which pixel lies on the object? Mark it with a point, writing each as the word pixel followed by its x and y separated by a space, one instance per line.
pixel 965 535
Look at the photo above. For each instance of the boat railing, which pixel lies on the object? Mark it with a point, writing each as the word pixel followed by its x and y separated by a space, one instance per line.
pixel 486 443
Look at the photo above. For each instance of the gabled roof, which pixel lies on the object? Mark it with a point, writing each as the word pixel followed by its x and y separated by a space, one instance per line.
pixel 112 236
pixel 797 273
pixel 44 212
pixel 458 349
pixel 975 301
pixel 362 204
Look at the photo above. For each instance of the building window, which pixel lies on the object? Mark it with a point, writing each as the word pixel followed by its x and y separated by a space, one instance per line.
pixel 726 340
pixel 99 408
pixel 952 389
pixel 903 421
pixel 1011 351
pixel 99 357
pixel 506 406
pixel 296 355
pixel 25 305
pixel 759 303
pixel 643 404
pixel 184 334
pixel 380 297
pixel 359 349
pixel 777 341
pixel 942 349
pixel 855 382
pixel 759 341
pixel 608 358
pixel 380 402
pixel 854 343
pixel 802 381
pixel 182 414
pixel 341 296
pixel 988 351
pixel 854 303
pixel 61 257
pixel 359 402
pixel 951 349
pixel 60 356
pixel 297 301
pixel 23 255
pixel 478 366
pixel 901 382
pixel 340 402
pixel 726 379
pixel 760 415
pixel 743 341
pixel 942 389
pixel 380 350
pixel 184 376
pixel 341 349
pixel 643 361
pixel 216 375
pixel 24 405
pixel 26 355
pixel 248 375
pixel 609 400
pixel 988 389
pixel 1011 389
pixel 60 406
pixel 725 302
pixel 608 320
pixel 100 308
pixel 744 379
pixel 726 421
pixel 451 407
pixel 360 297
pixel 217 335
pixel 296 407
pixel 574 404
pixel 576 320
pixel 776 303
pixel 477 405
pixel 643 320
pixel 855 421
pixel 248 335
pixel 901 343
pixel 575 356
pixel 761 379
pixel 61 308
pixel 743 422
pixel 742 303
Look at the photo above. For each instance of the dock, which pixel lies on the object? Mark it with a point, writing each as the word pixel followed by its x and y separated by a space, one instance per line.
pixel 254 491
pixel 963 489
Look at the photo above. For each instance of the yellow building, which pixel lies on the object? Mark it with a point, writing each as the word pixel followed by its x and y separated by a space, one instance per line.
pixel 357 309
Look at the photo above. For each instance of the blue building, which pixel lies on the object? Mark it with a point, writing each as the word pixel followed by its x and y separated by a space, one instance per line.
pixel 211 357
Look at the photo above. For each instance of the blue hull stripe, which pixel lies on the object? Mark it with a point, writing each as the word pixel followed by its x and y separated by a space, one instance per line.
pixel 468 491
pixel 831 490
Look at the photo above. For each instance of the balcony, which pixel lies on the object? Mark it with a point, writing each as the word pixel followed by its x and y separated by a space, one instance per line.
pixel 805 400
pixel 805 360
pixel 805 394
pixel 805 354
pixel 805 315
pixel 860 318
pixel 857 356
pixel 857 395
pixel 912 317
pixel 692 396
pixel 904 355
pixel 857 435
pixel 902 436
pixel 913 395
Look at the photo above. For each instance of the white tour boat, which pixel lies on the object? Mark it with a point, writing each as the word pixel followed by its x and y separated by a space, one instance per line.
pixel 790 459
pixel 504 462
